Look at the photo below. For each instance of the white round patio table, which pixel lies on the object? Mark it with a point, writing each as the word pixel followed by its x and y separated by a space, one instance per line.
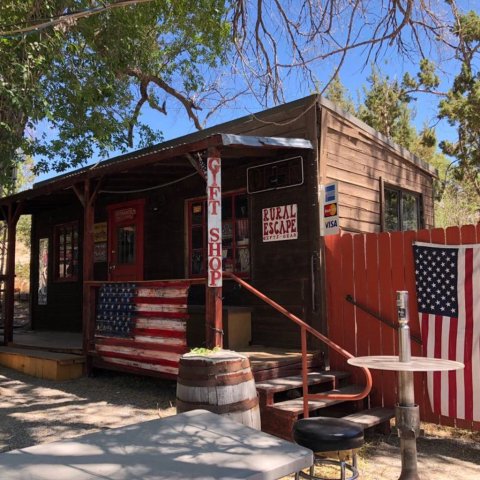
pixel 407 413
pixel 416 364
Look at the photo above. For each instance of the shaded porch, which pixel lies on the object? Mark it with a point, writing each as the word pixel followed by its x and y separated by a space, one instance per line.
pixel 85 197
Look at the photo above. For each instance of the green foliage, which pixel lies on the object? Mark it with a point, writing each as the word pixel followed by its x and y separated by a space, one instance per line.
pixel 90 80
pixel 338 94
pixel 461 107
pixel 386 108
pixel 24 228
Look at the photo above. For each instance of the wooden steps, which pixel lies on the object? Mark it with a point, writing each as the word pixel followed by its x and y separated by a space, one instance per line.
pixel 295 407
pixel 268 390
pixel 372 417
pixel 276 363
pixel 43 364
pixel 281 402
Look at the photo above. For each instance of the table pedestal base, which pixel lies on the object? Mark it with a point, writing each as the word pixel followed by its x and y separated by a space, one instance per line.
pixel 408 423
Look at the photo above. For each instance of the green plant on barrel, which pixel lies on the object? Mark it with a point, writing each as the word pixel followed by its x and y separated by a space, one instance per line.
pixel 204 351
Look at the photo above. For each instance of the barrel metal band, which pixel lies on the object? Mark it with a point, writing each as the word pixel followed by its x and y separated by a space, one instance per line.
pixel 200 381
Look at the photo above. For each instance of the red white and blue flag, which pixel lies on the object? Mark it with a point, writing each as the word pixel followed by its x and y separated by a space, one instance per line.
pixel 448 297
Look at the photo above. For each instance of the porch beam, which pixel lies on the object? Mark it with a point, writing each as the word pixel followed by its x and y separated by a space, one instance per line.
pixel 213 299
pixel 14 212
pixel 79 195
pixel 196 165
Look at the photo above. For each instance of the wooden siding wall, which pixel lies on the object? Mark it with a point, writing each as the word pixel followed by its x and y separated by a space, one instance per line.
pixel 283 270
pixel 371 268
pixel 357 160
pixel 63 311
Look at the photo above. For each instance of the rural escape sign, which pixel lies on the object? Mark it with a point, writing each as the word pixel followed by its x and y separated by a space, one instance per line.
pixel 329 220
pixel 280 223
pixel 214 212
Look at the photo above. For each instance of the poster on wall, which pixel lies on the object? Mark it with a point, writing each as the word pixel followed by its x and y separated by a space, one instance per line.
pixel 100 252
pixel 42 270
pixel 280 223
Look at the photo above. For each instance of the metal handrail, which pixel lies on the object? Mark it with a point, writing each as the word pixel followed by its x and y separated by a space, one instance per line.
pixel 304 329
pixel 386 322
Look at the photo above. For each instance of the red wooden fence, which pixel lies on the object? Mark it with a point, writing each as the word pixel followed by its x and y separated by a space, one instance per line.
pixel 371 268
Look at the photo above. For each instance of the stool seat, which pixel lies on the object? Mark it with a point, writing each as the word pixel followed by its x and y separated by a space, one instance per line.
pixel 324 434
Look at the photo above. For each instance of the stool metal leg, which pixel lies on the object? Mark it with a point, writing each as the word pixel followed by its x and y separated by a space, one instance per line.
pixel 344 466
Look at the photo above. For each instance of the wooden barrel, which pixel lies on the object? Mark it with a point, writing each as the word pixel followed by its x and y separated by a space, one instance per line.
pixel 221 382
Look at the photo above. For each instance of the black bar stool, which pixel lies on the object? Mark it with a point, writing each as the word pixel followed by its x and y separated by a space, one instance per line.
pixel 323 434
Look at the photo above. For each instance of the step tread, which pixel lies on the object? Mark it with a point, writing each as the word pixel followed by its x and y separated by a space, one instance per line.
pixel 372 416
pixel 291 382
pixel 295 406
pixel 62 358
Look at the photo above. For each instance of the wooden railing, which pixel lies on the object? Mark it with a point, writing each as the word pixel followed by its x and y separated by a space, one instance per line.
pixel 304 329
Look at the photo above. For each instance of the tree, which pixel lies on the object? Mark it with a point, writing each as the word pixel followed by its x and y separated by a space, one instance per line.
pixel 89 78
pixel 338 94
pixel 386 109
pixel 90 68
pixel 461 107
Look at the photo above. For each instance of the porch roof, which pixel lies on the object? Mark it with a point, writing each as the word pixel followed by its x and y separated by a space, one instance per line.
pixel 141 167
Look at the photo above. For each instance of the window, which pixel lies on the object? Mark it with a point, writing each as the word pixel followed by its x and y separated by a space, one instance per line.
pixel 402 210
pixel 66 251
pixel 235 235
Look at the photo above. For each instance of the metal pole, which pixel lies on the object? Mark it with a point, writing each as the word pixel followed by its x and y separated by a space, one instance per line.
pixel 407 412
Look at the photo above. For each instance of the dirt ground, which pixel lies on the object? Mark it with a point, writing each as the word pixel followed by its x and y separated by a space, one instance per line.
pixel 34 411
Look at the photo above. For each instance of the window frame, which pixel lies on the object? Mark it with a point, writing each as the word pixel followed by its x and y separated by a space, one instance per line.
pixel 74 225
pixel 384 186
pixel 189 249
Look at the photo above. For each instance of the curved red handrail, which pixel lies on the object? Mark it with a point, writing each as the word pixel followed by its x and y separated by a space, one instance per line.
pixel 307 328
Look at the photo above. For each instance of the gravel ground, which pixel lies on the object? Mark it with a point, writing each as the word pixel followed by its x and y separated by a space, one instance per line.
pixel 34 411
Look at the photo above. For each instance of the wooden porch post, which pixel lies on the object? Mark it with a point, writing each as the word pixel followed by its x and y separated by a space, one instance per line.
pixel 88 200
pixel 213 300
pixel 12 219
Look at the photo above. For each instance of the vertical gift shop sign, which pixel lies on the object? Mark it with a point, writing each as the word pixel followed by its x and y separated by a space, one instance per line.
pixel 214 209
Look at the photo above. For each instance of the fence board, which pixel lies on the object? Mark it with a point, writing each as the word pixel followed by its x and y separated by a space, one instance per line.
pixel 364 322
pixel 373 303
pixel 468 235
pixel 418 379
pixel 438 235
pixel 348 333
pixel 454 237
pixel 333 262
pixel 385 290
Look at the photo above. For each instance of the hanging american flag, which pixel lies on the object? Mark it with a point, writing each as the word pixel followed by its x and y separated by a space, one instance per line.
pixel 448 296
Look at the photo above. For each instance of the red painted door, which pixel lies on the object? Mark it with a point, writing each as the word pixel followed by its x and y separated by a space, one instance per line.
pixel 125 241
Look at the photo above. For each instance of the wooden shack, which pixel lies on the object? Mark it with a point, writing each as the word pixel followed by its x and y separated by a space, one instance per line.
pixel 120 250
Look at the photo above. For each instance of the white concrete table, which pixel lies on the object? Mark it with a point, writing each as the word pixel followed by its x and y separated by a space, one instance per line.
pixel 196 445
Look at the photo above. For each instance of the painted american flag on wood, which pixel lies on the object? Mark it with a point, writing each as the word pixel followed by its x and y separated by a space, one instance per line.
pixel 157 321
pixel 448 297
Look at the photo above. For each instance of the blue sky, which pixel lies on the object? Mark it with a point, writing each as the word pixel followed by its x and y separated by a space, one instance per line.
pixel 353 75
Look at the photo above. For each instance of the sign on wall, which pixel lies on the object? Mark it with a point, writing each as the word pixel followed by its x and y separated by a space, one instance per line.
pixel 280 223
pixel 214 213
pixel 42 270
pixel 100 232
pixel 275 175
pixel 329 219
